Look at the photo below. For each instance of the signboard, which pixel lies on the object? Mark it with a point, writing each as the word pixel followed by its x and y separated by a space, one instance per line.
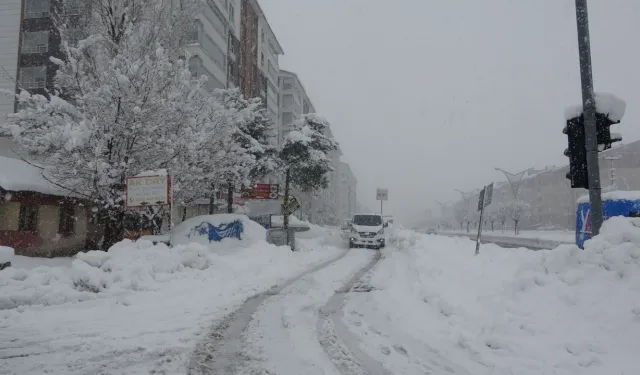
pixel 262 191
pixel 291 206
pixel 382 194
pixel 488 194
pixel 143 191
pixel 481 200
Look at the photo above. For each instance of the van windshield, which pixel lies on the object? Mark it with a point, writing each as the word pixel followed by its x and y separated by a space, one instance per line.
pixel 367 220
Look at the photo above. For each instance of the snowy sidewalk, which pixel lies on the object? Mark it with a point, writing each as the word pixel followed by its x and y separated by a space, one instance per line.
pixel 136 310
pixel 437 308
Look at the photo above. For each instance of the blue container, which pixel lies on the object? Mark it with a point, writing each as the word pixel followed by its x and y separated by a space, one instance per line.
pixel 610 208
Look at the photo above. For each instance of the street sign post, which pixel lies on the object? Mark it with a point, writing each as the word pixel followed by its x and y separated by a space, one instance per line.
pixel 486 195
pixel 152 188
pixel 382 194
pixel 144 191
pixel 291 206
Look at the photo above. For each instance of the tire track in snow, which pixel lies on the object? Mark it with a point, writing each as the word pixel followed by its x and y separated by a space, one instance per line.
pixel 221 352
pixel 338 342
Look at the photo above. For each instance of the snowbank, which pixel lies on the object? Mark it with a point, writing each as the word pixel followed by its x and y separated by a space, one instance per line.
pixel 6 254
pixel 127 266
pixel 139 308
pixel 563 311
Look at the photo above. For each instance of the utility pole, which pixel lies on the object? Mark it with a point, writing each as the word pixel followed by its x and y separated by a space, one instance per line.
pixel 589 111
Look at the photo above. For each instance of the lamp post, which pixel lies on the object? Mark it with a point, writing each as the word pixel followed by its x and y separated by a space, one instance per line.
pixel 514 179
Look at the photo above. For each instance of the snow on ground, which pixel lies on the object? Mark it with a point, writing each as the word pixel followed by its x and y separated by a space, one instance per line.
pixel 138 308
pixel 282 338
pixel 436 308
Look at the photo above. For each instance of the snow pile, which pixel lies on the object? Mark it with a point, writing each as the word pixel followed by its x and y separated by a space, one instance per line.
pixel 6 254
pixel 563 311
pixel 127 266
pixel 143 307
pixel 606 103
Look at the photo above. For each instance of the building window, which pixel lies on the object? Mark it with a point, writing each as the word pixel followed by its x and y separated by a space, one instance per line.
pixel 287 118
pixel 28 218
pixel 67 222
pixel 214 52
pixel 232 13
pixel 193 36
pixel 216 19
pixel 195 65
pixel 287 101
pixel 35 42
pixel 33 77
pixel 74 36
pixel 262 59
pixel 37 8
pixel 73 7
pixel 287 84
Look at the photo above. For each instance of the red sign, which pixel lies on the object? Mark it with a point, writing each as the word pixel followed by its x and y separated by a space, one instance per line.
pixel 262 191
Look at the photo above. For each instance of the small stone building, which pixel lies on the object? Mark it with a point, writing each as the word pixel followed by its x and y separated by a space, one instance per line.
pixel 37 218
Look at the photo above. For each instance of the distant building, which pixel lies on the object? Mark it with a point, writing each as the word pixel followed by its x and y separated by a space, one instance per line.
pixel 548 191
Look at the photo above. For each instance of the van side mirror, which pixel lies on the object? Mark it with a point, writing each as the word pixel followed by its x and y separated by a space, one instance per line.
pixel 386 225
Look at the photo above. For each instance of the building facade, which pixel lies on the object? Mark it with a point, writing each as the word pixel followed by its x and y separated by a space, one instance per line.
pixel 294 102
pixel 551 199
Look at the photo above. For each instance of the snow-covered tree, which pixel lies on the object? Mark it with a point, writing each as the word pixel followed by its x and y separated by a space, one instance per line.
pixel 516 210
pixel 125 103
pixel 304 155
pixel 251 156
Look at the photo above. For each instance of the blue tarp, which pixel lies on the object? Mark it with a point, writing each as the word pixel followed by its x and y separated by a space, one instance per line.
pixel 233 229
pixel 610 208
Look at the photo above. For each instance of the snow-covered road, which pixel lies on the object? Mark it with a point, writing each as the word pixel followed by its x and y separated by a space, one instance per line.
pixel 289 329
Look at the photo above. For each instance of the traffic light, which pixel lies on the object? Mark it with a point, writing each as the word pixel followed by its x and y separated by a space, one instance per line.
pixel 605 137
pixel 577 153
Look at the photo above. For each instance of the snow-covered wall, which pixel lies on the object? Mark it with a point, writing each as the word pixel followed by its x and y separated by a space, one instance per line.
pixel 9 36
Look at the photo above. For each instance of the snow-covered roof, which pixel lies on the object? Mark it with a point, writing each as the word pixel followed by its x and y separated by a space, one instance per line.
pixel 18 175
pixel 159 172
pixel 606 103
pixel 629 195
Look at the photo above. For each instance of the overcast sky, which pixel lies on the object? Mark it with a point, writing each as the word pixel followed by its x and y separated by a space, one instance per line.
pixel 429 96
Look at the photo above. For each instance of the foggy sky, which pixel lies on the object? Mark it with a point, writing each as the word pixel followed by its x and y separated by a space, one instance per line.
pixel 429 96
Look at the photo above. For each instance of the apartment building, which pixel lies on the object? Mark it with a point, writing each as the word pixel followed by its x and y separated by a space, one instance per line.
pixel 10 11
pixel 259 50
pixel 294 102
pixel 213 44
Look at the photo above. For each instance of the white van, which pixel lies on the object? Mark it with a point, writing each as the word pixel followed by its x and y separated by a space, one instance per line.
pixel 367 230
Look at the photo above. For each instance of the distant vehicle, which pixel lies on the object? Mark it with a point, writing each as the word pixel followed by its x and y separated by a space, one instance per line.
pixel 431 231
pixel 367 230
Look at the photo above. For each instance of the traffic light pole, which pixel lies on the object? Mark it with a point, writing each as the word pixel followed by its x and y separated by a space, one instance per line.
pixel 589 111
